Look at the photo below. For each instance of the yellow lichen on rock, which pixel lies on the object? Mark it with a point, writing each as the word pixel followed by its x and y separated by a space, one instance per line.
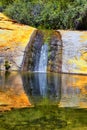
pixel 13 33
pixel 14 38
pixel 74 51
pixel 81 64
pixel 83 37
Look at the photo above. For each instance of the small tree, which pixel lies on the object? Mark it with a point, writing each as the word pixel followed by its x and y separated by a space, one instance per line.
pixel 7 65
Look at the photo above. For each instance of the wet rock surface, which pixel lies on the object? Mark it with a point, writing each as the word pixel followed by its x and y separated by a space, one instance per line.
pixel 33 52
pixel 55 53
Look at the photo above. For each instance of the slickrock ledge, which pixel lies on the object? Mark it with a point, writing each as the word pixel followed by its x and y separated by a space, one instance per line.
pixel 13 40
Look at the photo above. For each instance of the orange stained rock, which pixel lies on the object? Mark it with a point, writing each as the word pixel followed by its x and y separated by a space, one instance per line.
pixel 84 36
pixel 81 63
pixel 13 33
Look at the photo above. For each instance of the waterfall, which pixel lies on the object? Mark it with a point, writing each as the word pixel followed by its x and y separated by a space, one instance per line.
pixel 43 58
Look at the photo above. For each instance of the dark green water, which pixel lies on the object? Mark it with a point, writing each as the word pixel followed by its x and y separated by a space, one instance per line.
pixel 59 101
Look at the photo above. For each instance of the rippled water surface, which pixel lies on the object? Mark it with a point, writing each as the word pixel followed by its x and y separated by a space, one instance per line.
pixel 53 101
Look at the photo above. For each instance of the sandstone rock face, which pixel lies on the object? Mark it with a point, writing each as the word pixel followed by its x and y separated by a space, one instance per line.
pixel 21 45
pixel 74 54
pixel 33 51
pixel 55 53
pixel 13 41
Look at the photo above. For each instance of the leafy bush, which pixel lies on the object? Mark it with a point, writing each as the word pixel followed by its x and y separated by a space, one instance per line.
pixel 58 14
pixel 7 65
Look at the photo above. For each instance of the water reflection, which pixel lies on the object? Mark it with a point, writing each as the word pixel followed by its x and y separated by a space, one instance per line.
pixel 74 91
pixel 27 89
pixel 42 85
pixel 12 94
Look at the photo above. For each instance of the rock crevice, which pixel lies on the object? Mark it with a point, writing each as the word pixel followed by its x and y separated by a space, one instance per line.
pixel 33 49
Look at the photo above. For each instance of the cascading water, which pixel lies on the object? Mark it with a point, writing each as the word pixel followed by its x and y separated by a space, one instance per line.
pixel 43 58
pixel 36 52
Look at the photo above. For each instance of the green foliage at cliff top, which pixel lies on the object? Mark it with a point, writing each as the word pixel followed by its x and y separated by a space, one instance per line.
pixel 52 14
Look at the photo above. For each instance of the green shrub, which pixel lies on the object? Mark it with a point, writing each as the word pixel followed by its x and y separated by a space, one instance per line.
pixel 58 14
pixel 7 65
